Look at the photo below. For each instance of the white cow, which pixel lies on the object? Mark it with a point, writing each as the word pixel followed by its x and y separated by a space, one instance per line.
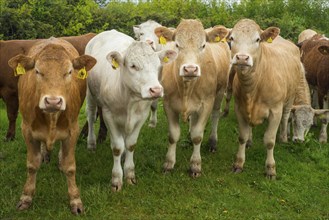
pixel 124 83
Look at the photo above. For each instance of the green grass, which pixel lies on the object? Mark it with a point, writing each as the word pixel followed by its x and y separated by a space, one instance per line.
pixel 301 190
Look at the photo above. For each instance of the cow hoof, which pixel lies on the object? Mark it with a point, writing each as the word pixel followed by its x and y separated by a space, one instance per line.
pixel 212 145
pixel 132 181
pixel 249 144
pixel 116 187
pixel 168 166
pixel 271 177
pixel 9 138
pixel 23 205
pixel 91 147
pixel 152 125
pixel 195 174
pixel 77 209
pixel 237 169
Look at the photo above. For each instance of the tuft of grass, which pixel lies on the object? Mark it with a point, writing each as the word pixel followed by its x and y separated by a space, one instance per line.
pixel 300 191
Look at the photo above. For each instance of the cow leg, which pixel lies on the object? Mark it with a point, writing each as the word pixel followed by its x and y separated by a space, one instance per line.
pixel 284 124
pixel 91 117
pixel 12 112
pixel 33 164
pixel 174 134
pixel 118 147
pixel 102 132
pixel 269 141
pixel 214 121
pixel 249 141
pixel 244 134
pixel 321 95
pixel 198 123
pixel 229 91
pixel 68 166
pixel 153 116
pixel 45 153
pixel 323 131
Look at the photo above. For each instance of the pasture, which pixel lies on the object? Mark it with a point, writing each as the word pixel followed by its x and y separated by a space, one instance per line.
pixel 301 190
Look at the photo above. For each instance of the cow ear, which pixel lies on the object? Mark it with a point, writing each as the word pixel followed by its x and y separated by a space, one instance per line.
pixel 164 34
pixel 115 59
pixel 84 61
pixel 217 34
pixel 270 34
pixel 321 113
pixel 136 29
pixel 324 50
pixel 167 56
pixel 21 63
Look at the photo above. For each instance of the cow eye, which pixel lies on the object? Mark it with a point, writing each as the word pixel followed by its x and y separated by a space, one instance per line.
pixel 133 66
pixel 141 34
pixel 257 40
pixel 37 72
pixel 203 46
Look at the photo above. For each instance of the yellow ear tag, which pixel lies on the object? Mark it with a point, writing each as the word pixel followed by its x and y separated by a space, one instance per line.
pixel 165 59
pixel 82 74
pixel 269 40
pixel 115 64
pixel 217 39
pixel 224 40
pixel 162 40
pixel 20 70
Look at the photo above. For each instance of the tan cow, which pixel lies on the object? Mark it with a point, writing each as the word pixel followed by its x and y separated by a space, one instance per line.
pixel 8 82
pixel 50 96
pixel 268 73
pixel 194 85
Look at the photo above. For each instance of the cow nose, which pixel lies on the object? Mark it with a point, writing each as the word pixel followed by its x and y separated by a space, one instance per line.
pixel 190 70
pixel 243 58
pixel 53 103
pixel 156 91
pixel 150 42
pixel 297 140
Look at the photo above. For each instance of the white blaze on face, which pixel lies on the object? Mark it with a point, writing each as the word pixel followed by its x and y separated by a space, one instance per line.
pixel 145 33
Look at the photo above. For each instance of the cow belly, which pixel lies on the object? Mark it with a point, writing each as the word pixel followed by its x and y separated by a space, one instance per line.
pixel 256 114
pixel 47 137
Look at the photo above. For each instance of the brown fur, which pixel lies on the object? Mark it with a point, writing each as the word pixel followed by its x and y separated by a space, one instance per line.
pixel 8 82
pixel 47 73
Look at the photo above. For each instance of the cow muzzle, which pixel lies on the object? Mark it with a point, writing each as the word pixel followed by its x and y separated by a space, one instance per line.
pixel 52 103
pixel 156 92
pixel 190 71
pixel 242 60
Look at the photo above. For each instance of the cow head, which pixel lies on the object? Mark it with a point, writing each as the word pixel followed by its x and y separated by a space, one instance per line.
pixel 246 39
pixel 139 68
pixel 190 40
pixel 302 120
pixel 145 33
pixel 53 69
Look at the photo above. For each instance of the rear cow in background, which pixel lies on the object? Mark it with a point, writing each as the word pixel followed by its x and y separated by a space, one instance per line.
pixel 50 98
pixel 315 59
pixel 8 82
pixel 265 85
pixel 306 34
pixel 194 85
pixel 123 83
pixel 145 33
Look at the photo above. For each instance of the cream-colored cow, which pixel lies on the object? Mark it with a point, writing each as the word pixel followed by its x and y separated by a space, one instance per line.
pixel 268 74
pixel 194 85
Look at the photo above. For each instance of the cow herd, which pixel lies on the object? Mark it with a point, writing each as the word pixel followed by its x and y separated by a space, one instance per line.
pixel 193 69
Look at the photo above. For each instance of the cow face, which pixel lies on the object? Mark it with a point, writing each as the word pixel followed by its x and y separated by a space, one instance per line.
pixel 190 39
pixel 53 71
pixel 246 38
pixel 302 120
pixel 139 68
pixel 145 33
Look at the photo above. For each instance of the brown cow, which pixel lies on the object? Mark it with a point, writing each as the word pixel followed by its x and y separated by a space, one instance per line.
pixel 315 59
pixel 50 96
pixel 194 85
pixel 8 82
pixel 268 73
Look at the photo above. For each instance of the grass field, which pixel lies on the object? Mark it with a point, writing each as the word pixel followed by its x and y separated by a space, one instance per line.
pixel 301 190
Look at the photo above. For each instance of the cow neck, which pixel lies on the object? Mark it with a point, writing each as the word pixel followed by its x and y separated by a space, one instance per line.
pixel 188 87
pixel 51 120
pixel 248 79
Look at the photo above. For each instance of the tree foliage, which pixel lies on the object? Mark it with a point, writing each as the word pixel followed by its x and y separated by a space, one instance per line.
pixel 28 19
